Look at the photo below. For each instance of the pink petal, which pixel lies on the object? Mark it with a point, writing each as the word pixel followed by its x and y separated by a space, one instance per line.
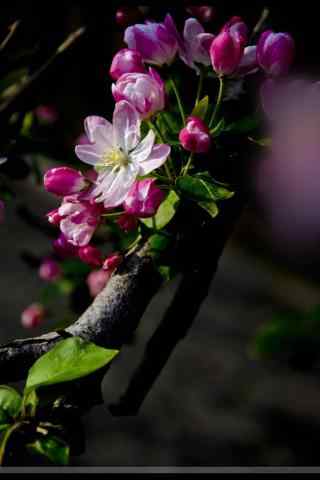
pixel 88 154
pixel 157 158
pixel 92 122
pixel 143 150
pixel 126 124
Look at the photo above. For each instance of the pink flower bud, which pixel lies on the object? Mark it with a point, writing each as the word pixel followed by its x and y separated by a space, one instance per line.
pixel 225 53
pixel 237 29
pixel 112 262
pixel 49 270
pixel 63 248
pixel 2 210
pixel 46 114
pixel 54 217
pixel 195 136
pixel 204 13
pixel 33 316
pixel 126 61
pixel 248 63
pixel 63 181
pixel 145 91
pixel 144 198
pixel 154 41
pixel 97 280
pixel 127 15
pixel 275 52
pixel 90 255
pixel 127 222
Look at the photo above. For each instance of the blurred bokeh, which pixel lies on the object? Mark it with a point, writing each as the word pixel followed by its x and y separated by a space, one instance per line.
pixel 243 387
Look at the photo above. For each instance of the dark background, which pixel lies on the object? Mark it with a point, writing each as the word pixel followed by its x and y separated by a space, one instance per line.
pixel 215 403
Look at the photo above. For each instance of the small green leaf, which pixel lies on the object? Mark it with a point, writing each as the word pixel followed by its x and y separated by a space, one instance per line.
pixel 210 207
pixel 166 272
pixel 56 450
pixel 70 359
pixel 30 403
pixel 219 128
pixel 27 124
pixel 200 110
pixel 10 401
pixel 203 188
pixel 158 242
pixel 165 212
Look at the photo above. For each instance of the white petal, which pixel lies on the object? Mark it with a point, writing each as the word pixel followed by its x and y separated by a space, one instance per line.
pixel 192 28
pixel 88 154
pixel 143 150
pixel 120 186
pixel 103 138
pixel 91 123
pixel 126 124
pixel 157 157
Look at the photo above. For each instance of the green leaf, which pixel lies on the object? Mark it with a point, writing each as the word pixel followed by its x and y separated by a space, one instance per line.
pixel 165 212
pixel 244 125
pixel 263 142
pixel 158 242
pixel 70 359
pixel 200 110
pixel 9 83
pixel 219 128
pixel 210 207
pixel 203 188
pixel 56 450
pixel 30 403
pixel 27 124
pixel 10 402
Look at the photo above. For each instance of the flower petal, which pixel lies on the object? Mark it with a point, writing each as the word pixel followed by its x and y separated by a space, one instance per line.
pixel 143 150
pixel 157 157
pixel 122 181
pixel 126 125
pixel 88 153
pixel 91 123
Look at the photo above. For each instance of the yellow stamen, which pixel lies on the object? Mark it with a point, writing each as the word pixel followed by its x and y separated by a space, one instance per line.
pixel 115 158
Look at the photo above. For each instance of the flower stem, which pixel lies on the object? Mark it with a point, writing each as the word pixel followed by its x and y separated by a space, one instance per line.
pixel 200 85
pixel 218 103
pixel 188 165
pixel 155 127
pixel 180 106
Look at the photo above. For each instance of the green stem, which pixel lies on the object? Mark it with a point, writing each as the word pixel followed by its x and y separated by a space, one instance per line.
pixel 113 214
pixel 155 127
pixel 5 439
pixel 188 165
pixel 218 102
pixel 180 106
pixel 200 85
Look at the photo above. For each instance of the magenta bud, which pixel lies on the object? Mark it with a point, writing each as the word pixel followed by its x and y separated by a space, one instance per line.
pixel 126 61
pixel 225 53
pixel 144 198
pixel 54 217
pixel 237 29
pixel 49 270
pixel 33 316
pixel 46 114
pixel 145 91
pixel 97 280
pixel 155 41
pixel 127 15
pixel 63 181
pixel 275 52
pixel 91 255
pixel 2 210
pixel 112 262
pixel 127 222
pixel 204 13
pixel 195 136
pixel 63 248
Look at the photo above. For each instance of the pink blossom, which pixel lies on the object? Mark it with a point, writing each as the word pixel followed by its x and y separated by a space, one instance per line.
pixel 49 270
pixel 80 218
pixel 144 198
pixel 248 63
pixel 237 29
pixel 145 92
pixel 33 316
pixel 64 248
pixel 64 181
pixel 46 113
pixel 90 255
pixel 53 217
pixel 126 61
pixel 154 41
pixel 275 52
pixel 195 136
pixel 97 280
pixel 112 262
pixel 226 53
pixel 119 155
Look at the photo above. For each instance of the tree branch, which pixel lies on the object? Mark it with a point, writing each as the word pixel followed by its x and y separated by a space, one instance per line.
pixel 109 321
pixel 183 310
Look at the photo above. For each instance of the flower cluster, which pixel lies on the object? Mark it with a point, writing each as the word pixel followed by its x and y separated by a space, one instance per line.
pixel 133 161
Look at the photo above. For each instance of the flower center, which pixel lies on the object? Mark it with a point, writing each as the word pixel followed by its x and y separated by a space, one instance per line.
pixel 115 158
